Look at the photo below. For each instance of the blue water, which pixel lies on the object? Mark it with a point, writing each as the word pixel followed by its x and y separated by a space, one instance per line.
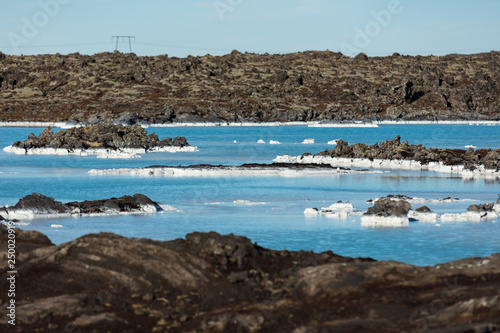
pixel 280 222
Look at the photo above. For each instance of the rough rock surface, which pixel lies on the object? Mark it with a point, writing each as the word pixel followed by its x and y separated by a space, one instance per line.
pixel 397 150
pixel 212 283
pixel 107 136
pixel 481 208
pixel 423 209
pixel 386 207
pixel 39 204
pixel 248 87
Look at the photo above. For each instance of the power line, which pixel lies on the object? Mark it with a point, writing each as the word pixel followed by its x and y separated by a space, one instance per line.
pixel 183 47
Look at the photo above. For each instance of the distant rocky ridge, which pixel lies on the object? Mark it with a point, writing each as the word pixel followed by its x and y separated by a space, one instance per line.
pixel 209 282
pixel 105 136
pixel 38 205
pixel 239 87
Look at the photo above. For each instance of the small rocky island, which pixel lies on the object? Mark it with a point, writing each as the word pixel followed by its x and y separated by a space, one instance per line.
pixel 38 205
pixel 213 283
pixel 98 139
pixel 394 154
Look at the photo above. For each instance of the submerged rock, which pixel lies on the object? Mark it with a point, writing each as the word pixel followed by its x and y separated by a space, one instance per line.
pixel 210 282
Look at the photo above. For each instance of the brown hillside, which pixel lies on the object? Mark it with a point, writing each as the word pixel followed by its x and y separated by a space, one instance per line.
pixel 249 87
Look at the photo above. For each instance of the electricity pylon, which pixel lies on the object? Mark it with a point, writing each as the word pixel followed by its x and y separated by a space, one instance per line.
pixel 124 38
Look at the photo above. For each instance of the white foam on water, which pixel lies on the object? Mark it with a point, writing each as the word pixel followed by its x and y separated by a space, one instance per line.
pixel 333 142
pixel 100 152
pixel 223 172
pixel 44 124
pixel 360 124
pixel 311 212
pixel 470 216
pixel 308 141
pixel 261 141
pixel 248 203
pixel 57 124
pixel 438 122
pixel 338 210
pixel 388 164
pixel 168 208
pixel 272 142
pixel 384 221
pixel 56 226
pixel 340 206
pixel 427 217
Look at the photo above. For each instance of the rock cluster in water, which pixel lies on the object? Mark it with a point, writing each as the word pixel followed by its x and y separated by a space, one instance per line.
pixel 301 86
pixel 107 136
pixel 212 283
pixel 397 150
pixel 385 207
pixel 38 205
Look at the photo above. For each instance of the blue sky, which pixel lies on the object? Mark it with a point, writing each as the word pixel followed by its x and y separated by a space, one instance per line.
pixel 197 27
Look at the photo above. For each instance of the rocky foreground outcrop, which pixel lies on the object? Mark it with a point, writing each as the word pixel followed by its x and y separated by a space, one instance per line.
pixel 105 136
pixel 212 283
pixel 236 87
pixel 397 150
pixel 39 205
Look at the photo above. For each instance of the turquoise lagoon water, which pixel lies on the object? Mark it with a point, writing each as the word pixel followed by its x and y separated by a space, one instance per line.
pixel 207 203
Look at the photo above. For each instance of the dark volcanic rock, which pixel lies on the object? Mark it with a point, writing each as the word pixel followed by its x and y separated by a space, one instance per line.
pixel 481 207
pixel 300 86
pixel 387 207
pixel 208 282
pixel 423 209
pixel 39 204
pixel 99 136
pixel 271 166
pixel 396 150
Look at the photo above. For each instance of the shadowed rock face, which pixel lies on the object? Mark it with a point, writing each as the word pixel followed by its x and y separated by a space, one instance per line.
pixel 248 87
pixel 208 282
pixel 396 150
pixel 99 136
pixel 39 204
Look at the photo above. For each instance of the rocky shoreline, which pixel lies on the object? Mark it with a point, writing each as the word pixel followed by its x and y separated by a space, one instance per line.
pixel 244 87
pixel 98 139
pixel 37 205
pixel 394 154
pixel 209 282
